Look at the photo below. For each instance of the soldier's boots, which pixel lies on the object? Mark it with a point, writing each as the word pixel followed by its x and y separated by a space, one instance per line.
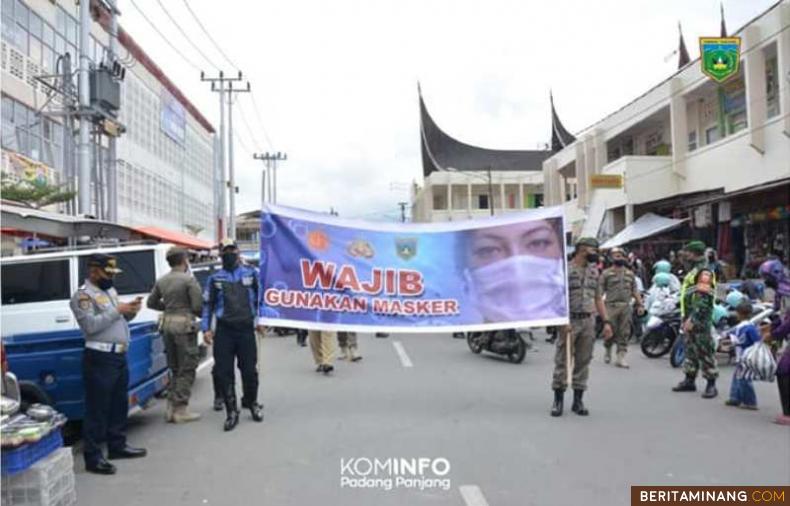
pixel 620 361
pixel 607 356
pixel 578 405
pixel 169 412
pixel 231 412
pixel 687 385
pixel 219 404
pixel 710 389
pixel 182 415
pixel 556 408
pixel 256 410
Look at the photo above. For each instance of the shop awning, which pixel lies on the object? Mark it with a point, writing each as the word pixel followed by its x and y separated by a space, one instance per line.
pixel 35 221
pixel 179 238
pixel 646 226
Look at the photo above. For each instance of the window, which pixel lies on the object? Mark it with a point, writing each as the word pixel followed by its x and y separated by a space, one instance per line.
pixel 36 282
pixel 711 135
pixel 482 201
pixel 692 140
pixel 772 87
pixel 138 274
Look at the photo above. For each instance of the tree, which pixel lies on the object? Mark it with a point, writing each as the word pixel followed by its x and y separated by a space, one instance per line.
pixel 194 229
pixel 35 194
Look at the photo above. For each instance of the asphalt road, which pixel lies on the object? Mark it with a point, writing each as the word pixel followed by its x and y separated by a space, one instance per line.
pixel 487 417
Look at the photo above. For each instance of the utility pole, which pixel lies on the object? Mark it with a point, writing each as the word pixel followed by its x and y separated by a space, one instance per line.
pixel 84 147
pixel 222 221
pixel 491 191
pixel 112 163
pixel 270 160
pixel 264 176
pixel 402 211
pixel 231 176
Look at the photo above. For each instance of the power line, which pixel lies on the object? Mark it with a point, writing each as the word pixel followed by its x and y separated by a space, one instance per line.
pixel 249 130
pixel 260 121
pixel 208 34
pixel 174 48
pixel 181 30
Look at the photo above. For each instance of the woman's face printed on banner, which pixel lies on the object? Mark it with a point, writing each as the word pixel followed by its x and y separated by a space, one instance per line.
pixel 515 272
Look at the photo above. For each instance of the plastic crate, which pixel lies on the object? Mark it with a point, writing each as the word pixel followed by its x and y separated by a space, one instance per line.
pixel 16 461
pixel 49 482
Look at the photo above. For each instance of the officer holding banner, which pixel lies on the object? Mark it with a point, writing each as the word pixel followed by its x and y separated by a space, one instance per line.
pixel 575 343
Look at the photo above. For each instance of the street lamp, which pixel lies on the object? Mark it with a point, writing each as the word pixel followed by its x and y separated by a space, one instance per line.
pixel 474 174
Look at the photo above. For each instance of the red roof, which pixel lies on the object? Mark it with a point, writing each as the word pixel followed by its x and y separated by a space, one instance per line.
pixel 178 238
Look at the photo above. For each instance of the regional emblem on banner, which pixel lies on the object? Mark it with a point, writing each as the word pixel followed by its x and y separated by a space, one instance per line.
pixel 720 57
pixel 406 248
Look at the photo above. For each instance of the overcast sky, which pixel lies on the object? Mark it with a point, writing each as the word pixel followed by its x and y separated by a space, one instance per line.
pixel 336 81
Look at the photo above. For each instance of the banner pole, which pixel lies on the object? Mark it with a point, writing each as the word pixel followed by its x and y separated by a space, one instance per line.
pixel 568 357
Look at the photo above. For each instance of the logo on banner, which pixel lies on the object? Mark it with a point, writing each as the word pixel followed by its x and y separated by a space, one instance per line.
pixel 720 57
pixel 317 240
pixel 360 248
pixel 406 248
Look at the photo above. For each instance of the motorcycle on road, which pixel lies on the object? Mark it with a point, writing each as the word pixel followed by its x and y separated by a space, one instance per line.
pixel 502 342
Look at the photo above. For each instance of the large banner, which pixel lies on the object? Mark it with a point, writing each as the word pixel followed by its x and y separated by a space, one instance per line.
pixel 327 273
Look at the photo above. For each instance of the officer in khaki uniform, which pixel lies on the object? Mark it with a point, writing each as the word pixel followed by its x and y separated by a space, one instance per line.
pixel 584 296
pixel 618 285
pixel 178 295
pixel 103 319
pixel 322 344
pixel 348 346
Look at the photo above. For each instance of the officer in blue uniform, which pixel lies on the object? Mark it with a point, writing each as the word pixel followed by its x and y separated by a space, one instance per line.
pixel 103 319
pixel 231 295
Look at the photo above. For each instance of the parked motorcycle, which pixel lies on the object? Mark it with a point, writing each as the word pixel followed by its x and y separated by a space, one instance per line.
pixel 508 342
pixel 661 333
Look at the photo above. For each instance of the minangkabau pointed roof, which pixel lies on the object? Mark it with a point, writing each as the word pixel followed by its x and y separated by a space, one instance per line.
pixel 442 152
pixel 560 137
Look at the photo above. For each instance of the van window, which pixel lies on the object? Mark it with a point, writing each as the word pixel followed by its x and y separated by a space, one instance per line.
pixel 36 282
pixel 139 273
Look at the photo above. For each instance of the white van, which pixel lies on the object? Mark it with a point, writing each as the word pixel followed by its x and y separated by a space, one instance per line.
pixel 37 287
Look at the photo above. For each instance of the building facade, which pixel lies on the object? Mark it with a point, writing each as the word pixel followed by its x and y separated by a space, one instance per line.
pixel 165 159
pixel 461 181
pixel 718 155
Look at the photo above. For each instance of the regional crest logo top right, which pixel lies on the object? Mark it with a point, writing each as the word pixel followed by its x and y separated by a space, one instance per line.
pixel 720 57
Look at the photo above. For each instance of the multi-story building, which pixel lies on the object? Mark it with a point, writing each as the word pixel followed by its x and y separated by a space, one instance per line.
pixel 165 159
pixel 461 181
pixel 718 155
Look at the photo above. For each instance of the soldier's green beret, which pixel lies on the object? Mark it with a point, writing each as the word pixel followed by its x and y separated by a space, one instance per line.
pixel 587 241
pixel 697 247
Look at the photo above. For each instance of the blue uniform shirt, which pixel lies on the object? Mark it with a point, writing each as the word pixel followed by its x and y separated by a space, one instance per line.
pixel 231 296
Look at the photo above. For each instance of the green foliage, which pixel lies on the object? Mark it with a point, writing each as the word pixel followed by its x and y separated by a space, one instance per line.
pixel 35 194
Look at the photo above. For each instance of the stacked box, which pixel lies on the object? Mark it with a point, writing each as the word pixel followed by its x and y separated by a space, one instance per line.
pixel 48 482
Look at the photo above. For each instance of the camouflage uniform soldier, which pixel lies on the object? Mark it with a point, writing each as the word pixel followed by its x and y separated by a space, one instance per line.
pixel 697 300
pixel 618 284
pixel 178 294
pixel 348 346
pixel 585 297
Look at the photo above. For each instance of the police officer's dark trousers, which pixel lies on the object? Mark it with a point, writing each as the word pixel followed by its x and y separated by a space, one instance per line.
pixel 106 379
pixel 237 342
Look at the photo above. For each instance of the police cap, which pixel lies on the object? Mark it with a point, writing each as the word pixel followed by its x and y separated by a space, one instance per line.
pixel 107 263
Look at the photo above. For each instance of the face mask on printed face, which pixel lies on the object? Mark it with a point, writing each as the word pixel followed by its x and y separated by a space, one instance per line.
pixel 519 288
pixel 229 260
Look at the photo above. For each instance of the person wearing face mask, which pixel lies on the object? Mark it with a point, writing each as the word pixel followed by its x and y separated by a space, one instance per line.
pixel 103 319
pixel 515 272
pixel 584 294
pixel 178 295
pixel 776 277
pixel 619 288
pixel 231 295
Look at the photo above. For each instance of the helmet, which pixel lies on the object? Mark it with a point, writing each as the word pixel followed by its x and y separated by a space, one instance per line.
pixel 771 270
pixel 719 312
pixel 734 298
pixel 661 279
pixel 662 266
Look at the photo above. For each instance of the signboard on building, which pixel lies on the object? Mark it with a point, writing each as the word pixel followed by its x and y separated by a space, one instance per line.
pixel 720 57
pixel 173 119
pixel 600 181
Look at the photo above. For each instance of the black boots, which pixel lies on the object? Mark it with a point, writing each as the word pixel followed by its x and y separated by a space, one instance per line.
pixel 556 408
pixel 687 385
pixel 231 411
pixel 256 410
pixel 710 389
pixel 578 405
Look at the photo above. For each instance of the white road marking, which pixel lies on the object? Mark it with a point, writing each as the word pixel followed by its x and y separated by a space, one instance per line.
pixel 404 358
pixel 208 362
pixel 472 495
